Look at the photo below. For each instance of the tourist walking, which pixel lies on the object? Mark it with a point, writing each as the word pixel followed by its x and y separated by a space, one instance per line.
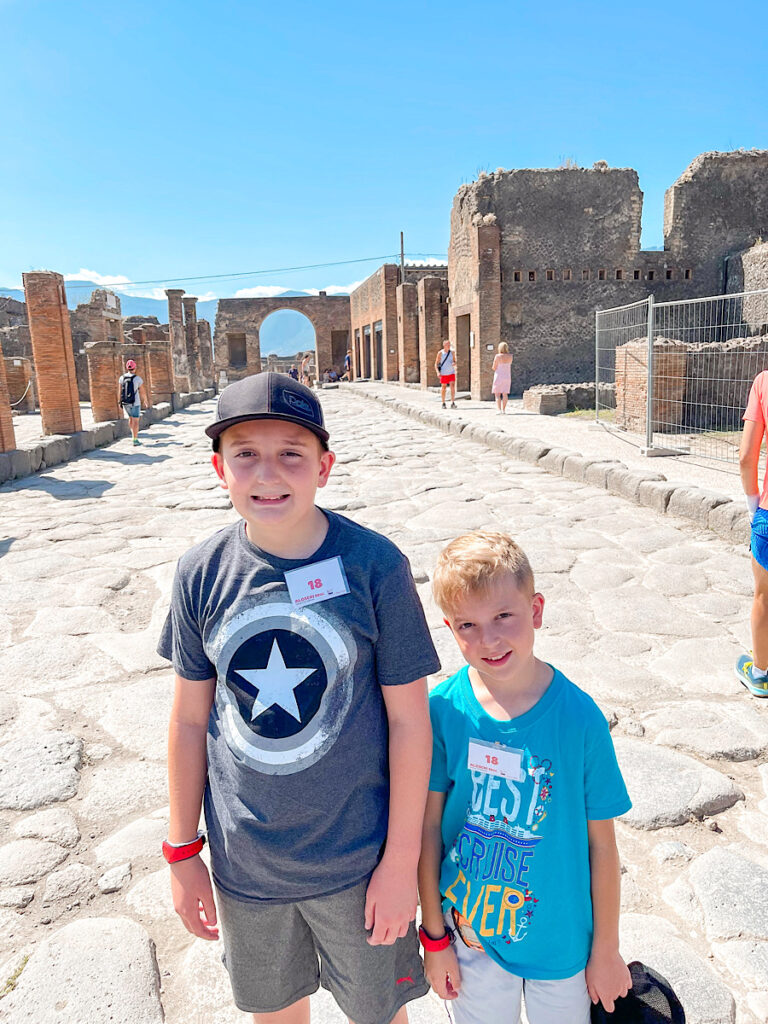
pixel 129 396
pixel 445 365
pixel 502 376
pixel 348 366
pixel 305 379
pixel 752 669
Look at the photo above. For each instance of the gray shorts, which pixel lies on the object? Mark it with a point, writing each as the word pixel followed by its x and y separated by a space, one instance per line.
pixel 277 953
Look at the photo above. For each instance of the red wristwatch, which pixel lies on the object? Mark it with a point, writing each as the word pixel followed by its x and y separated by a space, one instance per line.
pixel 434 945
pixel 174 852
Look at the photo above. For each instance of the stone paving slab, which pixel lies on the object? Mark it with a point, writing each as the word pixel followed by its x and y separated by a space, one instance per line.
pixel 92 543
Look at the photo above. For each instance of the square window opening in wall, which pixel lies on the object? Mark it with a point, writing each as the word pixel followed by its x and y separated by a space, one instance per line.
pixel 585 275
pixel 669 274
pixel 651 275
pixel 550 275
pixel 619 275
pixel 636 274
pixel 566 275
pixel 531 275
pixel 601 275
pixel 517 276
pixel 688 274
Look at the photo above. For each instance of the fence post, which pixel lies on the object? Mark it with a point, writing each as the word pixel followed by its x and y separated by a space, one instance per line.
pixel 597 366
pixel 649 388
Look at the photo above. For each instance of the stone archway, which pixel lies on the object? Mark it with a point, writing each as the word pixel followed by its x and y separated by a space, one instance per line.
pixel 236 344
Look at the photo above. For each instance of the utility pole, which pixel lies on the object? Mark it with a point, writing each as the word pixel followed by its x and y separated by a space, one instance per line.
pixel 402 259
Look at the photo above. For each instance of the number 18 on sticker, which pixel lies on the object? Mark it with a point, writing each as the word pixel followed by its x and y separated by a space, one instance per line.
pixel 317 582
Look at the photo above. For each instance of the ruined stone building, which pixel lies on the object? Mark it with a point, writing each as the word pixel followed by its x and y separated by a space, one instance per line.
pixel 533 254
pixel 397 318
pixel 236 341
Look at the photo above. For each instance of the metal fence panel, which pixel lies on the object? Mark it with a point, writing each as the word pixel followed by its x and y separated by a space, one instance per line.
pixel 682 370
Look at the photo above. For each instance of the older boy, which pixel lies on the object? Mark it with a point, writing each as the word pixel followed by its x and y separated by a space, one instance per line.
pixel 519 857
pixel 300 651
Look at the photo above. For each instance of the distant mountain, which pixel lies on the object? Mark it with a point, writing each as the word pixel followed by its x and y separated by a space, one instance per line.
pixel 283 335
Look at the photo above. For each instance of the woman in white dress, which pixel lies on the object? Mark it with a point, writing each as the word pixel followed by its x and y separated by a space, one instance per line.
pixel 502 376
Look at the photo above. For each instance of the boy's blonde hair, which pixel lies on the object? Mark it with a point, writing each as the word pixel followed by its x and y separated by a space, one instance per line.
pixel 503 346
pixel 474 561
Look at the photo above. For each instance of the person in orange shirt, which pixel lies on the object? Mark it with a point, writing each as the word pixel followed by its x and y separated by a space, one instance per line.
pixel 753 671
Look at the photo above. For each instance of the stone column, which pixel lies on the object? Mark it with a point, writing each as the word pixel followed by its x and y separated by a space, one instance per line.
pixel 407 333
pixel 433 324
pixel 488 309
pixel 388 368
pixel 205 345
pixel 105 364
pixel 7 434
pixel 52 349
pixel 189 303
pixel 161 364
pixel 178 338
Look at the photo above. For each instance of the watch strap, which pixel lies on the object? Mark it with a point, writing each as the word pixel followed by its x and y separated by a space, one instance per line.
pixel 174 852
pixel 434 945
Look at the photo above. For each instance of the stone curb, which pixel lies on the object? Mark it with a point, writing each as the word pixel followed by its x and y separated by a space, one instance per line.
pixel 708 509
pixel 35 456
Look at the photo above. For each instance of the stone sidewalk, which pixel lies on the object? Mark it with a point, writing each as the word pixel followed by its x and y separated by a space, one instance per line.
pixel 646 613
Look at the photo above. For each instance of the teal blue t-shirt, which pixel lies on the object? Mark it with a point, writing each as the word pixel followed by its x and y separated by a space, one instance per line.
pixel 515 843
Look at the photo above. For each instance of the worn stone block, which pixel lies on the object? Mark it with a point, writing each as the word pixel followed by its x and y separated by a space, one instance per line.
pixel 575 466
pixel 531 451
pixel 655 494
pixel 87 439
pixel 597 472
pixel 694 503
pixel 457 426
pixel 731 521
pixel 164 409
pixel 55 450
pixel 103 433
pixel 121 428
pixel 554 460
pixel 626 484
pixel 545 403
pixel 15 464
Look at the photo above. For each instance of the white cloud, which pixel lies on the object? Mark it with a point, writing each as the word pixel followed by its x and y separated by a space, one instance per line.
pixel 262 291
pixel 335 289
pixel 104 280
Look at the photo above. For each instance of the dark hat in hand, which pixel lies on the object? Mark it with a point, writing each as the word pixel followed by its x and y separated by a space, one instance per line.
pixel 649 1001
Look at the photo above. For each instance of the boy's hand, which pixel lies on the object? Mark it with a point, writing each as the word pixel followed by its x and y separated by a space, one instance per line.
pixel 390 902
pixel 442 971
pixel 608 978
pixel 193 897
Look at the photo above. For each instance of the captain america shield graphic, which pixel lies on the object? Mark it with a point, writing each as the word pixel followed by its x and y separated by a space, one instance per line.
pixel 284 684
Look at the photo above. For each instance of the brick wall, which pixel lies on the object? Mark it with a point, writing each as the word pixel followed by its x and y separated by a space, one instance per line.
pixel 408 369
pixel 19 380
pixel 205 344
pixel 52 346
pixel 669 384
pixel 371 303
pixel 432 299
pixel 189 304
pixel 7 435
pixel 178 338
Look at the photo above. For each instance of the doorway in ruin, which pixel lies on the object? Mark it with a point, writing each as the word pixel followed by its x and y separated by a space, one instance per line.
pixel 367 351
pixel 285 336
pixel 463 353
pixel 378 342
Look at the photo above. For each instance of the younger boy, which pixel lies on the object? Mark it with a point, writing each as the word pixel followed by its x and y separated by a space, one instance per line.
pixel 518 856
pixel 300 649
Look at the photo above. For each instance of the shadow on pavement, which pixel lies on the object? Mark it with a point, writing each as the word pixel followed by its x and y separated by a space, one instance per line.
pixel 133 458
pixel 63 490
pixel 5 545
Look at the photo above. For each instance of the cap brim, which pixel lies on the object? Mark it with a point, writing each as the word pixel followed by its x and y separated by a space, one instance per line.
pixel 216 429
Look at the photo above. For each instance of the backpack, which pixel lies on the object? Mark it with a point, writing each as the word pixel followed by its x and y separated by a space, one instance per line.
pixel 127 390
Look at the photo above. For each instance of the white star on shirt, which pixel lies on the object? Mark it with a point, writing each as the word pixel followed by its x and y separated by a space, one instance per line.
pixel 276 684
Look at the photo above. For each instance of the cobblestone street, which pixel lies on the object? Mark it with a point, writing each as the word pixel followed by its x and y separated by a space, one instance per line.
pixel 645 612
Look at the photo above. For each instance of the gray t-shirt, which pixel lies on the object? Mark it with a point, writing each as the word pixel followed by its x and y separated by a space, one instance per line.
pixel 298 788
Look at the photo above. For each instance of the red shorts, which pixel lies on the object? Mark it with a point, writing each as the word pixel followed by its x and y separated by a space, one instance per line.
pixel 448 379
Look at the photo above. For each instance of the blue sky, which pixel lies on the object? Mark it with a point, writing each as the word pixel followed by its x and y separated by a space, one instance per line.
pixel 167 140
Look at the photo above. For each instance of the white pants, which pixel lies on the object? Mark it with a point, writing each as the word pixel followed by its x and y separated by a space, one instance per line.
pixel 491 995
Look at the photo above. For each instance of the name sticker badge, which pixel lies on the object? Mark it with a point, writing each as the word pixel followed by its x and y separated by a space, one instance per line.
pixel 495 760
pixel 317 582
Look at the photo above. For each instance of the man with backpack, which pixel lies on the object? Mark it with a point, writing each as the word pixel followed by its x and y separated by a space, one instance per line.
pixel 129 396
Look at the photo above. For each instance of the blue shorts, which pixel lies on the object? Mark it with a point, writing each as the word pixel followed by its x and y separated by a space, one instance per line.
pixel 134 411
pixel 759 543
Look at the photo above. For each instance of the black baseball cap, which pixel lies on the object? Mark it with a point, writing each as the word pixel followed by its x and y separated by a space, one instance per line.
pixel 649 1001
pixel 268 396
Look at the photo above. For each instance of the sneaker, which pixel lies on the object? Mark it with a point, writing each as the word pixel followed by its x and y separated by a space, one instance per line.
pixel 453 405
pixel 443 404
pixel 757 685
pixel 136 440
